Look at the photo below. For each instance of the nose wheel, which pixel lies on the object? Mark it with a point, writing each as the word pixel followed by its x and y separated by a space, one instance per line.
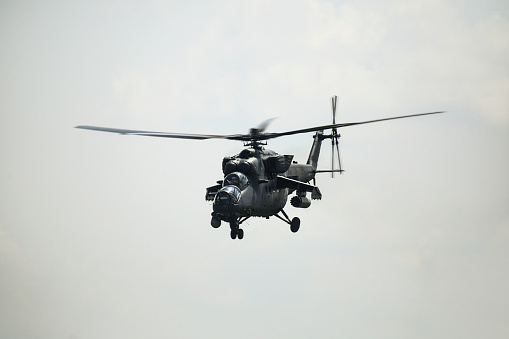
pixel 236 232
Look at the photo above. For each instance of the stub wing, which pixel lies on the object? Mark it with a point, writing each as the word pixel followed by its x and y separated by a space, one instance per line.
pixel 212 191
pixel 299 186
pixel 284 182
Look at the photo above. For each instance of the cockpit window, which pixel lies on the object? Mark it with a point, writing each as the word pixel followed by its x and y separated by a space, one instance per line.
pixel 237 179
pixel 227 195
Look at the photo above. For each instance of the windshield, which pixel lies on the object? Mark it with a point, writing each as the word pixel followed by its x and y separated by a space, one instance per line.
pixel 227 195
pixel 236 179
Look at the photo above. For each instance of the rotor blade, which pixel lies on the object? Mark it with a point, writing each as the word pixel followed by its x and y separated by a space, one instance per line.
pixel 239 137
pixel 332 156
pixel 334 101
pixel 162 134
pixel 263 126
pixel 337 149
pixel 267 136
pixel 333 139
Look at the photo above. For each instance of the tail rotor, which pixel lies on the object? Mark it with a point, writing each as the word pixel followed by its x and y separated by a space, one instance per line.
pixel 335 140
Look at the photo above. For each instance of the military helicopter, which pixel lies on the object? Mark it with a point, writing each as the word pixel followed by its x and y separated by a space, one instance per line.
pixel 257 182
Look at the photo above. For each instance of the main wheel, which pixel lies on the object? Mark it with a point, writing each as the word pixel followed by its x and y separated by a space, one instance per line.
pixel 295 224
pixel 240 233
pixel 233 234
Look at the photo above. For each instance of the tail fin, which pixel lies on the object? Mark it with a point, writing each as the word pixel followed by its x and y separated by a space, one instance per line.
pixel 315 150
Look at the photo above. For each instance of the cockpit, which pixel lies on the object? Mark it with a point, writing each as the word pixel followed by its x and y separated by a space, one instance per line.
pixel 227 195
pixel 237 179
pixel 230 193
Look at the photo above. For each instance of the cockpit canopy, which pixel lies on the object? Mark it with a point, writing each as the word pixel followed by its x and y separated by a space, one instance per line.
pixel 227 195
pixel 237 179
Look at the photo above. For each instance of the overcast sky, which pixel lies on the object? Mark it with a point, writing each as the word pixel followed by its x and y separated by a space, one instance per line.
pixel 109 236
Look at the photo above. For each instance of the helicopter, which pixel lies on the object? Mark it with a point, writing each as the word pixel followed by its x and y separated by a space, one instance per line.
pixel 257 182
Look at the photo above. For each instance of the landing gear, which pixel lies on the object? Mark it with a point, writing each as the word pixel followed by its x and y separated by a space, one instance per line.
pixel 236 232
pixel 294 223
pixel 235 222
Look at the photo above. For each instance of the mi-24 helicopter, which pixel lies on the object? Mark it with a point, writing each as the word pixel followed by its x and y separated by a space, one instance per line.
pixel 257 182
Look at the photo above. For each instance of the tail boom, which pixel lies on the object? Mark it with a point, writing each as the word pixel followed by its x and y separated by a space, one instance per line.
pixel 314 154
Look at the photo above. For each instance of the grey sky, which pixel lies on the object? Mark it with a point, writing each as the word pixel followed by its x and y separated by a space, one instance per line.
pixel 109 236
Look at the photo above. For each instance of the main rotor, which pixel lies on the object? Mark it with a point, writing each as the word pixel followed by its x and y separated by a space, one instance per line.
pixel 257 136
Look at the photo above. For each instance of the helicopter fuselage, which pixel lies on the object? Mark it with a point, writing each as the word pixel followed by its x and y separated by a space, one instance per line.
pixel 258 181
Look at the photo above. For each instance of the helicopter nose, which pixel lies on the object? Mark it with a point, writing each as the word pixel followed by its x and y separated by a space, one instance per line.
pixel 227 195
pixel 226 199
